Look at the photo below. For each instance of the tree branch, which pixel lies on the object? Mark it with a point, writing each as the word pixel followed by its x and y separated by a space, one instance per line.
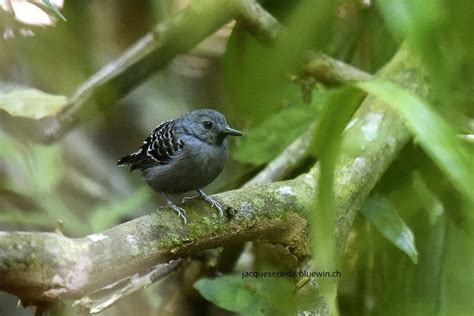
pixel 331 71
pixel 103 298
pixel 149 54
pixel 48 266
pixel 287 161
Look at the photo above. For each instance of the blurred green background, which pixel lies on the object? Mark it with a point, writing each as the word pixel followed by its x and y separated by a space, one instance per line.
pixel 410 251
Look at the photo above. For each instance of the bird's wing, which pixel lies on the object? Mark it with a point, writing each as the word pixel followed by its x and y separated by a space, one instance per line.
pixel 158 148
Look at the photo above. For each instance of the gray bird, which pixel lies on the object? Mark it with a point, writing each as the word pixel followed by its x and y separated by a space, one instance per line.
pixel 184 154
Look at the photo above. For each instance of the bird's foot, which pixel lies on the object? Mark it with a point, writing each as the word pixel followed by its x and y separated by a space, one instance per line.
pixel 211 202
pixel 180 211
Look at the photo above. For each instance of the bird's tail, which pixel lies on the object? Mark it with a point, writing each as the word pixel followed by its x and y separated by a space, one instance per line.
pixel 127 160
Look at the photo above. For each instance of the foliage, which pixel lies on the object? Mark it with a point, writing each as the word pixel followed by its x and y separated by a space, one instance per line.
pixel 55 10
pixel 339 109
pixel 432 133
pixel 18 102
pixel 265 140
pixel 38 172
pixel 250 296
pixel 425 196
pixel 381 213
pixel 105 216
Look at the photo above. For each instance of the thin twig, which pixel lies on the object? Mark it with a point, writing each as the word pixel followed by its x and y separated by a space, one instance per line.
pixel 332 71
pixel 103 298
pixel 280 167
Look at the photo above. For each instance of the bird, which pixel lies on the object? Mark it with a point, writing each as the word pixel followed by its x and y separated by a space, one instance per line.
pixel 184 154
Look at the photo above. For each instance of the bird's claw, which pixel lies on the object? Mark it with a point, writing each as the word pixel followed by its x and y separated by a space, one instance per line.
pixel 181 212
pixel 219 207
pixel 212 202
pixel 215 204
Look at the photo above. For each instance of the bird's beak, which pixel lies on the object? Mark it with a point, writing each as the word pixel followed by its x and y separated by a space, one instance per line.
pixel 230 131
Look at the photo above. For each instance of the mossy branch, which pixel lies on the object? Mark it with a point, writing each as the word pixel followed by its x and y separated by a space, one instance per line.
pixel 42 267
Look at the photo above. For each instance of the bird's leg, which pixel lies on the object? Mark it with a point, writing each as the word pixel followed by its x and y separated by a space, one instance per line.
pixel 211 201
pixel 180 211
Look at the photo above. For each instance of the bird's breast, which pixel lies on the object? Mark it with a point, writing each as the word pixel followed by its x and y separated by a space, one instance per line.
pixel 209 159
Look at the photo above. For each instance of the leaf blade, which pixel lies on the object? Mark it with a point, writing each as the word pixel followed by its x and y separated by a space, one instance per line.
pixel 31 103
pixel 55 10
pixel 436 136
pixel 381 213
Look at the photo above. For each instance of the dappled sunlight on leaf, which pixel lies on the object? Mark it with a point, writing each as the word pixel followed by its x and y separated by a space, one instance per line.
pixel 31 103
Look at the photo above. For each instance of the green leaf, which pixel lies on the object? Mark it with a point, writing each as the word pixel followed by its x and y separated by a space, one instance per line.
pixel 381 213
pixel 400 16
pixel 18 217
pixel 31 103
pixel 39 169
pixel 249 296
pixel 47 167
pixel 430 202
pixel 431 131
pixel 55 10
pixel 108 215
pixel 424 23
pixel 338 111
pixel 248 92
pixel 266 140
pixel 458 278
pixel 256 71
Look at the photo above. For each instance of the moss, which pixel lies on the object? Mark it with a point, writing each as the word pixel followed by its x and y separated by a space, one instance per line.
pixel 18 252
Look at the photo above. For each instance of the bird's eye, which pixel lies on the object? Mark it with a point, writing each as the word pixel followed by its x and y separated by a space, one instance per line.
pixel 207 124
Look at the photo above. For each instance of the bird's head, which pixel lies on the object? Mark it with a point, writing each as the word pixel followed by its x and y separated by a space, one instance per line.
pixel 209 126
